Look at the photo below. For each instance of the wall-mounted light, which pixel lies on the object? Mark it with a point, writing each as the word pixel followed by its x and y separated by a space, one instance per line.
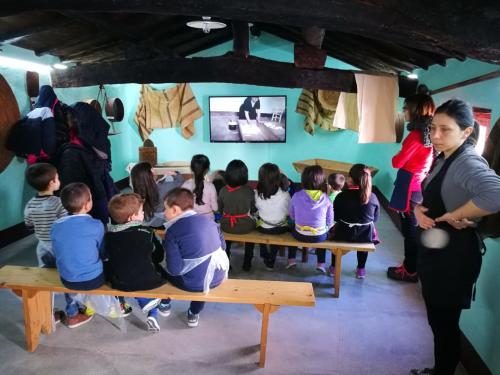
pixel 412 76
pixel 9 62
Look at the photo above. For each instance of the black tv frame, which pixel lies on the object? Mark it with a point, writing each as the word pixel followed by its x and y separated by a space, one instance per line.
pixel 244 96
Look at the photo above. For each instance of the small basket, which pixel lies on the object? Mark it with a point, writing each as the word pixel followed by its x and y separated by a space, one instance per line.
pixel 148 152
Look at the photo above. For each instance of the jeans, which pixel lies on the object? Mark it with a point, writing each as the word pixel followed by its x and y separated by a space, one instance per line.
pixel 409 228
pixel 44 254
pixel 195 307
pixel 320 253
pixel 72 305
pixel 270 255
pixel 144 301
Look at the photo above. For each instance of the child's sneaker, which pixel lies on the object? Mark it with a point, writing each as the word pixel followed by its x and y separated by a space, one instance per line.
pixel 291 263
pixel 78 320
pixel 331 271
pixel 321 268
pixel 152 324
pixel 269 265
pixel 401 274
pixel 86 311
pixel 192 319
pixel 125 309
pixel 164 309
pixel 360 273
pixel 151 305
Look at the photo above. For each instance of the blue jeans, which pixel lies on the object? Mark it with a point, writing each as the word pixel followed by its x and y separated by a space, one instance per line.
pixel 45 255
pixel 72 305
pixel 144 301
pixel 195 307
pixel 320 253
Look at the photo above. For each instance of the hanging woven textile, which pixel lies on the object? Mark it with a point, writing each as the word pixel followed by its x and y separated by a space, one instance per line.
pixel 318 107
pixel 174 107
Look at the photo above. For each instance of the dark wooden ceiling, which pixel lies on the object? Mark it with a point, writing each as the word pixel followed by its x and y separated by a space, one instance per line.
pixel 384 36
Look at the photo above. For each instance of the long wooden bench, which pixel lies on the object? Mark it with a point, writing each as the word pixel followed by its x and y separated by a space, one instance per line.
pixel 36 285
pixel 338 249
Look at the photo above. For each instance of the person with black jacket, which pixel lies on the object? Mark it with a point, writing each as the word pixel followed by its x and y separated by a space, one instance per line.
pixel 87 157
pixel 133 254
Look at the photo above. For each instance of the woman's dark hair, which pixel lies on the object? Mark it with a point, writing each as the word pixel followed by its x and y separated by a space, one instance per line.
pixel 269 180
pixel 143 183
pixel 463 115
pixel 313 178
pixel 200 166
pixel 420 105
pixel 362 177
pixel 236 173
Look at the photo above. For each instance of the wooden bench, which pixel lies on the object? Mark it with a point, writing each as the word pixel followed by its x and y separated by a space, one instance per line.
pixel 36 285
pixel 338 249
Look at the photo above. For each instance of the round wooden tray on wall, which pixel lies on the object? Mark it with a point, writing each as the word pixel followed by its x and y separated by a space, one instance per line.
pixel 32 84
pixel 94 103
pixel 9 115
pixel 114 109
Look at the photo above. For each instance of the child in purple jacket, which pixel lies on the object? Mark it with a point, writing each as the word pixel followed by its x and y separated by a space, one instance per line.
pixel 312 212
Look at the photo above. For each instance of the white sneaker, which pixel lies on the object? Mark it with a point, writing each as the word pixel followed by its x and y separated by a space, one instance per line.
pixel 151 305
pixel 152 324
pixel 192 319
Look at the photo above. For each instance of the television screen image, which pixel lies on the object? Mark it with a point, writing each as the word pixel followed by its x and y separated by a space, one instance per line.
pixel 247 118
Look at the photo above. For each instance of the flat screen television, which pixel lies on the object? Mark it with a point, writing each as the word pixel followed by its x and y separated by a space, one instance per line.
pixel 247 118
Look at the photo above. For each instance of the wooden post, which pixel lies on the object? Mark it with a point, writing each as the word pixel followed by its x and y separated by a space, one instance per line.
pixel 338 271
pixel 266 310
pixel 37 316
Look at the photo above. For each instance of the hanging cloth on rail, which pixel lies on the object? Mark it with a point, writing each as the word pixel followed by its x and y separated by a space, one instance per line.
pixel 318 107
pixel 174 107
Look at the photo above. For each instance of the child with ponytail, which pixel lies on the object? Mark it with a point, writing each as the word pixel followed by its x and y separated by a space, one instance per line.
pixel 203 190
pixel 356 211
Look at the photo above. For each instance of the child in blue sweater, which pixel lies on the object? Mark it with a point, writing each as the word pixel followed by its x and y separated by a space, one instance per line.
pixel 194 249
pixel 76 240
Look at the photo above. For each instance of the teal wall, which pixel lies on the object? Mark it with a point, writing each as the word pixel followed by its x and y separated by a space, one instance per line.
pixel 481 323
pixel 341 146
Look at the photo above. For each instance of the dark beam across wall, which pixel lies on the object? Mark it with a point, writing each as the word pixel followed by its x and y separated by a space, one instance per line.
pixel 228 68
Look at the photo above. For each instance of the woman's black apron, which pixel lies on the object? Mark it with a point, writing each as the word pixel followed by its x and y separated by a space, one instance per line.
pixel 448 274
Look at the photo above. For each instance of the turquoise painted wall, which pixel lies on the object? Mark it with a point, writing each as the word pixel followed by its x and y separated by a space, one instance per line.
pixel 340 146
pixel 481 323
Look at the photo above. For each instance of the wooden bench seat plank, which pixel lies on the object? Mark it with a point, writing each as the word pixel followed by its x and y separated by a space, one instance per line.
pixel 337 248
pixel 257 292
pixel 287 239
pixel 37 284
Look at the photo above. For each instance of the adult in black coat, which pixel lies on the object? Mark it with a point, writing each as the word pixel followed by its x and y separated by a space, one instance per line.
pixel 86 157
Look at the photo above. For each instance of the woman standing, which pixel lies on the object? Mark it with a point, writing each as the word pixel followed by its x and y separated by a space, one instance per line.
pixel 413 161
pixel 459 188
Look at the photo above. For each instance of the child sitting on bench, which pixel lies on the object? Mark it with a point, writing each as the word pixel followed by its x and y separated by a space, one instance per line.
pixel 194 251
pixel 76 240
pixel 133 254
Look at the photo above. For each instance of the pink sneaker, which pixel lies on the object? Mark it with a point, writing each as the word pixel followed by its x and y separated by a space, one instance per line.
pixel 360 273
pixel 291 263
pixel 321 268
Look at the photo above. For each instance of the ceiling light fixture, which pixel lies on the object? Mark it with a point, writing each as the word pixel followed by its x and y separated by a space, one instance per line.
pixel 412 76
pixel 206 24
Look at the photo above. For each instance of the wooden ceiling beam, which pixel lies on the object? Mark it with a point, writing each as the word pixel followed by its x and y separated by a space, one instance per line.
pixel 444 26
pixel 228 68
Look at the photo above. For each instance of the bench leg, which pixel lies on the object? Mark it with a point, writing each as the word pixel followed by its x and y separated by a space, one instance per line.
pixel 305 255
pixel 266 310
pixel 338 272
pixel 37 316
